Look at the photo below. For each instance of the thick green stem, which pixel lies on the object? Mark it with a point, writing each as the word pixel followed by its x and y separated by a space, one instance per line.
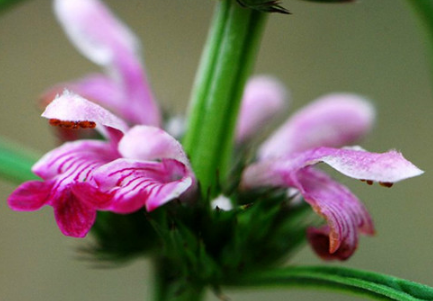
pixel 227 61
pixel 168 288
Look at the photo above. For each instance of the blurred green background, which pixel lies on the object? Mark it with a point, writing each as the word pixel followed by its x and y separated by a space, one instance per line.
pixel 374 48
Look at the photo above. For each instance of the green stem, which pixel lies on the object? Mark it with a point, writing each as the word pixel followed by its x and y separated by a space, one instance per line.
pixel 227 61
pixel 168 288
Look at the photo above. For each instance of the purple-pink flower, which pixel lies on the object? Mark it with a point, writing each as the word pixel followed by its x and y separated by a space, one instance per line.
pixel 138 167
pixel 288 158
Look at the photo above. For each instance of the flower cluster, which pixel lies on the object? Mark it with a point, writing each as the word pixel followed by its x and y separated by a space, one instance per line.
pixel 139 165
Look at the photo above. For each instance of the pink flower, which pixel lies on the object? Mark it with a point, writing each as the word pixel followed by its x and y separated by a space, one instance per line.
pixel 138 167
pixel 263 99
pixel 288 157
pixel 135 168
pixel 106 41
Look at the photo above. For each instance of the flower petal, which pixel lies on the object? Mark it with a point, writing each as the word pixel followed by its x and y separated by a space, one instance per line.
pixel 70 107
pixel 94 30
pixel 73 217
pixel 149 143
pixel 389 167
pixel 319 241
pixel 102 38
pixel 334 120
pixel 343 212
pixel 62 169
pixel 30 196
pixel 74 161
pixel 263 99
pixel 221 202
pixel 386 168
pixel 135 184
pixel 97 88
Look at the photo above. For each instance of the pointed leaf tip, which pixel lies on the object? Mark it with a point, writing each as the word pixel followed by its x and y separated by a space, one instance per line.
pixel 268 6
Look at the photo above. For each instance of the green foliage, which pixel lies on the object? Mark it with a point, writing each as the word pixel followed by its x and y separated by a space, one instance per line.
pixel 331 1
pixel 374 285
pixel 121 238
pixel 195 244
pixel 16 162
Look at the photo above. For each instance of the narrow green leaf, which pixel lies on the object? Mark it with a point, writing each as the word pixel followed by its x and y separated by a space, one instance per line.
pixel 424 9
pixel 4 4
pixel 267 6
pixel 377 286
pixel 16 162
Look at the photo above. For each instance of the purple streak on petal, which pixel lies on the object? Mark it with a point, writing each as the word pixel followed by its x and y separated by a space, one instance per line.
pixel 91 195
pixel 135 184
pixel 343 212
pixel 147 143
pixel 102 38
pixel 334 120
pixel 29 196
pixel 73 217
pixel 73 160
pixel 264 98
pixel 61 169
pixel 71 107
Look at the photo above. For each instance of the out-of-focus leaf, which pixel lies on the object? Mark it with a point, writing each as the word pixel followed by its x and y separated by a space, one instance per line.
pixel 331 1
pixel 374 285
pixel 16 162
pixel 4 4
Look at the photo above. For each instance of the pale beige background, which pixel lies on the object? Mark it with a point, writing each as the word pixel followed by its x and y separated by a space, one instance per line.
pixel 373 48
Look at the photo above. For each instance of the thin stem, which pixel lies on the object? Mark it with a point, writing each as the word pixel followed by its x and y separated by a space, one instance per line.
pixel 226 64
pixel 424 9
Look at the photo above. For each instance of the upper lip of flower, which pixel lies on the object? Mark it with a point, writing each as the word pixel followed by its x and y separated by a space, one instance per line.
pixel 106 41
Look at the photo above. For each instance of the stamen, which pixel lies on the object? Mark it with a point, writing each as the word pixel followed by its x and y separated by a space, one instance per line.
pixel 369 182
pixel 386 184
pixel 72 125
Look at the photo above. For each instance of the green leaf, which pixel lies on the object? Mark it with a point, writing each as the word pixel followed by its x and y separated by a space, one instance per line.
pixel 377 286
pixel 4 4
pixel 424 9
pixel 16 162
